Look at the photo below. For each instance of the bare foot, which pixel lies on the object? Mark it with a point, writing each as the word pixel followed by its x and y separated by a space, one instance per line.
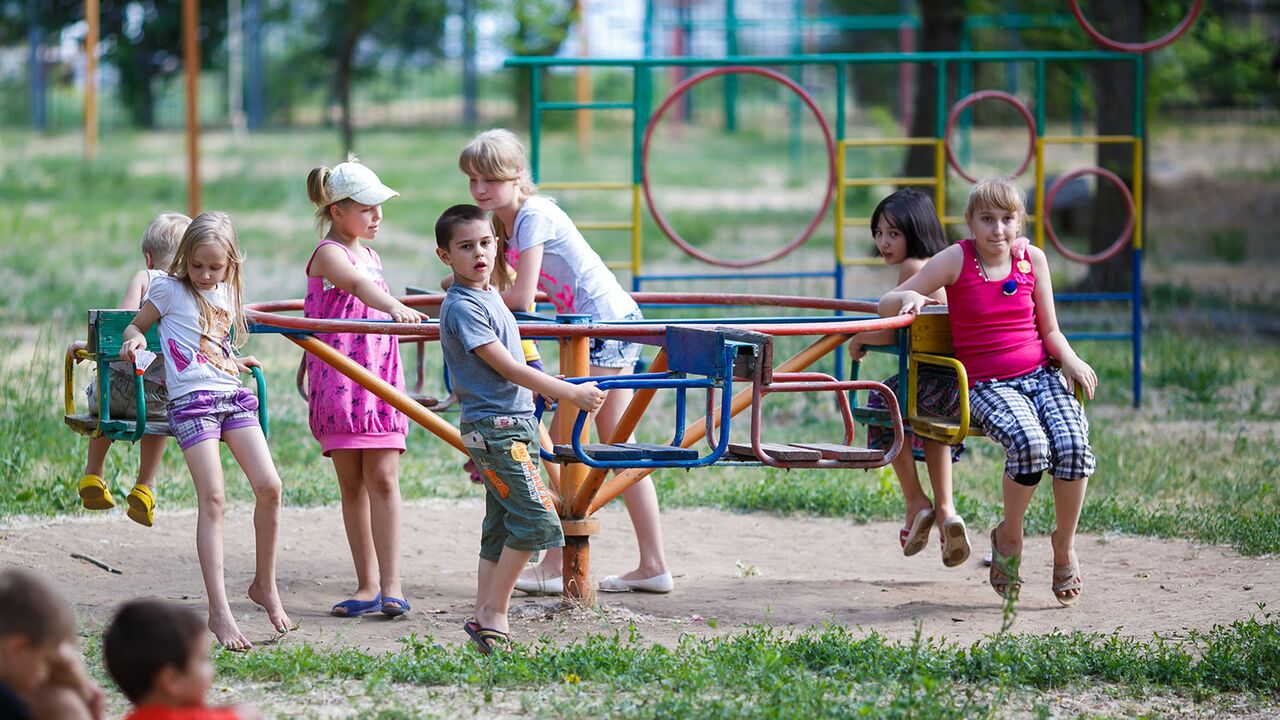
pixel 228 633
pixel 269 599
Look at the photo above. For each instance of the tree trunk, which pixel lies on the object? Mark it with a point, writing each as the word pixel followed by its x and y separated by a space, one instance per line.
pixel 940 26
pixel 1115 92
pixel 343 75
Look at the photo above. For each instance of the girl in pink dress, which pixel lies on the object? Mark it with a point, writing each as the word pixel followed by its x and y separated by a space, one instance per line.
pixel 361 433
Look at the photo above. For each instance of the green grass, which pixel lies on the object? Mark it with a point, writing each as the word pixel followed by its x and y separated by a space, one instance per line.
pixel 828 672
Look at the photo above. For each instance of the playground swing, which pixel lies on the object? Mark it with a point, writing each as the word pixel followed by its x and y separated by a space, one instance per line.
pixel 717 357
pixel 104 338
pixel 927 341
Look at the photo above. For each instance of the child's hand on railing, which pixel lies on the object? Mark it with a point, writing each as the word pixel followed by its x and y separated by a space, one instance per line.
pixel 402 313
pixel 246 362
pixel 132 345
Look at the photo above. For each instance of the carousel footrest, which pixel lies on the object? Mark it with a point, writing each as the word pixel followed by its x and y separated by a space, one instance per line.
pixel 833 451
pixel 777 451
pixel 626 451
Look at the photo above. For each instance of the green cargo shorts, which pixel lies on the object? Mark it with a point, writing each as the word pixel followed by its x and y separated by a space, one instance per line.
pixel 519 512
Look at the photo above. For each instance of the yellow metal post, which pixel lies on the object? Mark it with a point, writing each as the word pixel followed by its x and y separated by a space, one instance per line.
pixel 92 17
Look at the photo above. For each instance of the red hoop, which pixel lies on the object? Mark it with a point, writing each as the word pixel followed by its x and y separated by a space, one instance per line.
pixel 670 100
pixel 989 95
pixel 1125 234
pixel 1156 44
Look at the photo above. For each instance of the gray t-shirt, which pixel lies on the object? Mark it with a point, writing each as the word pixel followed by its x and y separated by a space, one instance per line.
pixel 572 274
pixel 469 319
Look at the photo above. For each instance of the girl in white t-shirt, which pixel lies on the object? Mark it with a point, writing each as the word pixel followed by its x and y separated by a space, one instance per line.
pixel 549 254
pixel 198 304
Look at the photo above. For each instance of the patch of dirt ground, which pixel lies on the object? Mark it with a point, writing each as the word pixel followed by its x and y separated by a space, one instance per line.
pixel 810 571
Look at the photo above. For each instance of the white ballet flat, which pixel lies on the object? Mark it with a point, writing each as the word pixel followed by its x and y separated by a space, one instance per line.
pixel 656 584
pixel 546 586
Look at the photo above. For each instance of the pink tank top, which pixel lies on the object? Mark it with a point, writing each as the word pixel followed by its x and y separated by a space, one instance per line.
pixel 995 334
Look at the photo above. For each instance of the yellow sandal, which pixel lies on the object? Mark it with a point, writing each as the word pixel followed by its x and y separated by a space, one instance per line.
pixel 142 505
pixel 94 493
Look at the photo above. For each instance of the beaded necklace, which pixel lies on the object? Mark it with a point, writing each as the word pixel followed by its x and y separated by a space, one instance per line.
pixel 1008 287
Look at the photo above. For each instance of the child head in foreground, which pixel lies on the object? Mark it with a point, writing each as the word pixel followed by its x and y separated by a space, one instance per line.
pixel 158 654
pixel 37 630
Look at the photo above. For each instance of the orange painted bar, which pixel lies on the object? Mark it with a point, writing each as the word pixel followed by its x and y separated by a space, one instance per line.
pixel 574 357
pixel 434 424
pixel 696 430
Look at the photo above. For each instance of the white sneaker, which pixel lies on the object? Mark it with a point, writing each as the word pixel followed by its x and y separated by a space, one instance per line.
pixel 546 586
pixel 656 584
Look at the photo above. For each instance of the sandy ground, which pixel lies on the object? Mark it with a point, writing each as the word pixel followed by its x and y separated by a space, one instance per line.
pixel 807 571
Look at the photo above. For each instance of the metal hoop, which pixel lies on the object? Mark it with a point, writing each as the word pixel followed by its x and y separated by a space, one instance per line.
pixel 1125 234
pixel 676 94
pixel 1156 44
pixel 988 95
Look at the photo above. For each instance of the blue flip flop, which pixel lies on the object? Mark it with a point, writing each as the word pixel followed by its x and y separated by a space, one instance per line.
pixel 394 606
pixel 355 608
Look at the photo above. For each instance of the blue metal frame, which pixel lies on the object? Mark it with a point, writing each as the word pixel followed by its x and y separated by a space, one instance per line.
pixel 659 381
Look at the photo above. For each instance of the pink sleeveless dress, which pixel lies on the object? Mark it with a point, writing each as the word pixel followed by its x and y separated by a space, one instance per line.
pixel 344 415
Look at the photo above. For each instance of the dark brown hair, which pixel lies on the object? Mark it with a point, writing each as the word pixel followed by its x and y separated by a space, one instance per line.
pixel 145 636
pixel 31 606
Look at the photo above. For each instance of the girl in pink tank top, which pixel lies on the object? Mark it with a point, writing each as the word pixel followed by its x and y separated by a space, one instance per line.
pixel 1005 330
pixel 360 432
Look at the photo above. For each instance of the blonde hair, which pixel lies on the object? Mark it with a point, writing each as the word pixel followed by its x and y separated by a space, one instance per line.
pixel 999 193
pixel 318 193
pixel 214 228
pixel 160 239
pixel 498 154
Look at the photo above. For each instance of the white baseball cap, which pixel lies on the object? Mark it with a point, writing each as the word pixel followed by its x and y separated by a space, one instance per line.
pixel 357 182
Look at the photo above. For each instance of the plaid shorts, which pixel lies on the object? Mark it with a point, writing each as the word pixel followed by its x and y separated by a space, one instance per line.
pixel 1041 426
pixel 519 512
pixel 206 414
pixel 614 353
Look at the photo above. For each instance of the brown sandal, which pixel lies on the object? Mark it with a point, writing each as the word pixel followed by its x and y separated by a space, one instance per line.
pixel 1065 579
pixel 1003 574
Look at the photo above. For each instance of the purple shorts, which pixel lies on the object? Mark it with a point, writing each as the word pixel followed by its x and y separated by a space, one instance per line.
pixel 206 414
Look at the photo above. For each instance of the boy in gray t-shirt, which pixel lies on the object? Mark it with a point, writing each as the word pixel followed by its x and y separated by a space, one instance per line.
pixel 481 345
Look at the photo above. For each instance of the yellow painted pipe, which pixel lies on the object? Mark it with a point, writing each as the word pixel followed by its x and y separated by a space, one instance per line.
pixel 874 181
pixel 696 430
pixel 1087 139
pixel 434 424
pixel 887 142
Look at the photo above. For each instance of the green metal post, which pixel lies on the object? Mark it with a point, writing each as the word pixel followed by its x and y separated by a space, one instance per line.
pixel 841 92
pixel 535 120
pixel 1041 94
pixel 940 96
pixel 640 92
pixel 731 81
pixel 796 72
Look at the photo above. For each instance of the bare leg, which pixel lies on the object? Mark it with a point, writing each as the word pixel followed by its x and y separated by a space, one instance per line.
pixel 1068 499
pixel 355 518
pixel 206 473
pixel 904 467
pixel 381 470
pixel 937 458
pixel 149 458
pixel 493 590
pixel 1009 532
pixel 641 498
pixel 250 450
pixel 97 457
